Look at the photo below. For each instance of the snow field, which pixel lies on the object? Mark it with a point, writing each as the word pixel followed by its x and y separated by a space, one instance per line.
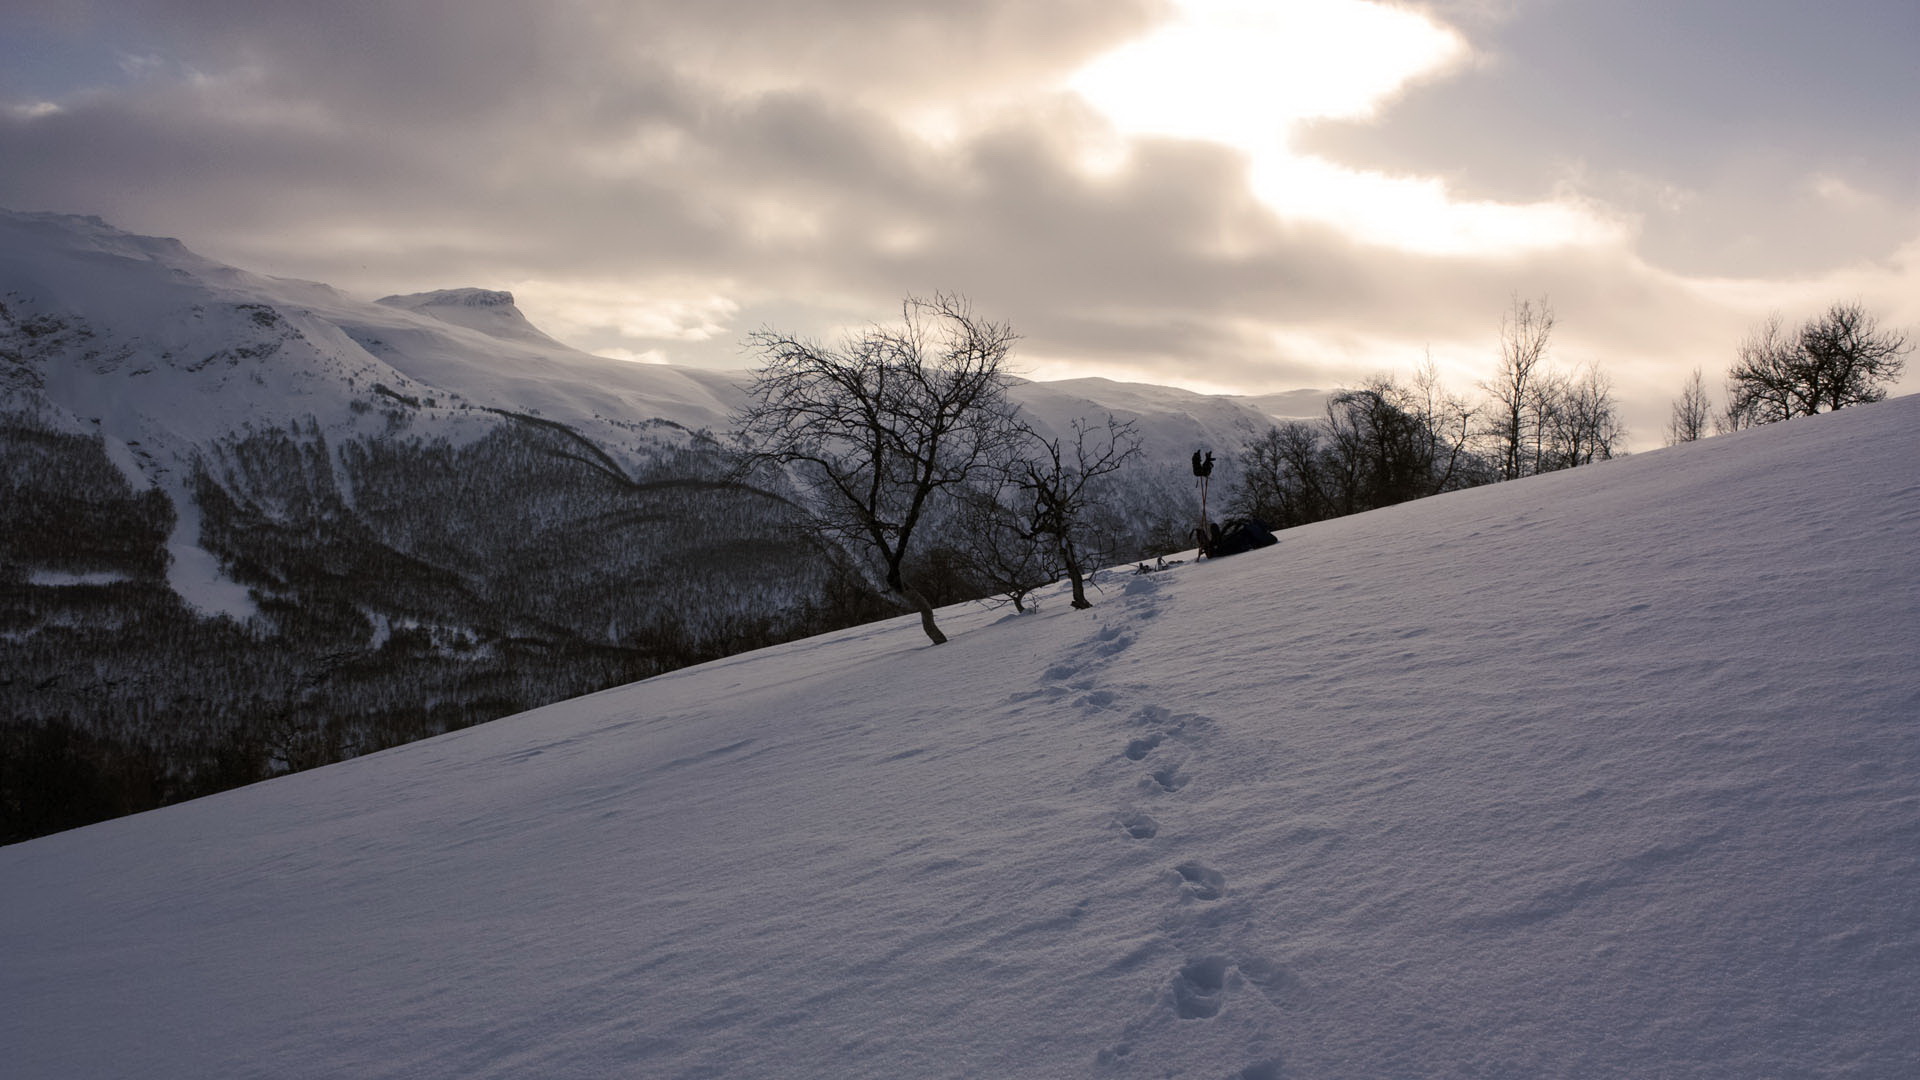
pixel 1612 772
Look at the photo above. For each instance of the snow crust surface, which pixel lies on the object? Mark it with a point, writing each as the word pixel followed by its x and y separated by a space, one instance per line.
pixel 1607 773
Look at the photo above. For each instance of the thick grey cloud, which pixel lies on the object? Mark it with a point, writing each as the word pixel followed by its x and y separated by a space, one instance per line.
pixel 688 171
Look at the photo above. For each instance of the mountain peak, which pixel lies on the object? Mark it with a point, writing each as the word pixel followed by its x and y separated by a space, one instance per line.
pixel 50 230
pixel 490 311
pixel 478 298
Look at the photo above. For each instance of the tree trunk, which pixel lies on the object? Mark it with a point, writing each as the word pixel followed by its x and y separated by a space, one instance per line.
pixel 926 613
pixel 1071 558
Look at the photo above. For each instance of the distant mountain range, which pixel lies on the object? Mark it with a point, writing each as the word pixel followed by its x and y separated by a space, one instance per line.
pixel 255 524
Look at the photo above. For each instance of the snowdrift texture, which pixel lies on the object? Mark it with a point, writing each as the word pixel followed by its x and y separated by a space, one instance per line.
pixel 1612 772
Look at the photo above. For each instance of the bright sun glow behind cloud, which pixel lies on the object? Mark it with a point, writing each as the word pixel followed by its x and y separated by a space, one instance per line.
pixel 1243 71
pixel 1246 72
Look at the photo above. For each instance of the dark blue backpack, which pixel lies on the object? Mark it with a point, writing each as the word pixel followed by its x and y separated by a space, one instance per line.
pixel 1238 535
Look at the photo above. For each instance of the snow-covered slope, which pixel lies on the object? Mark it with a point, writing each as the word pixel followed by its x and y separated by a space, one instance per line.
pixel 162 318
pixel 1608 773
pixel 1063 400
pixel 163 353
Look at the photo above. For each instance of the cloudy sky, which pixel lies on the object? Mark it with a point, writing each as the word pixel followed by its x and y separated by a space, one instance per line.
pixel 1237 195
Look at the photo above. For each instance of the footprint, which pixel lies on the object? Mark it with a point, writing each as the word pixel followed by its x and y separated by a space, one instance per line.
pixel 1264 1070
pixel 1167 722
pixel 1275 982
pixel 1200 881
pixel 1051 693
pixel 1060 672
pixel 1151 714
pixel 1139 826
pixel 1140 748
pixel 1199 988
pixel 1167 778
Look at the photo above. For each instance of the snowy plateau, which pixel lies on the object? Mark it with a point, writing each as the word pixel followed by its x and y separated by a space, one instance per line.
pixel 1612 772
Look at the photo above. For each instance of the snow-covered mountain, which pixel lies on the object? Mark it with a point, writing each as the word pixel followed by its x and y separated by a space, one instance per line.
pixel 150 345
pixel 254 524
pixel 168 357
pixel 490 311
pixel 329 525
pixel 1612 772
pixel 164 354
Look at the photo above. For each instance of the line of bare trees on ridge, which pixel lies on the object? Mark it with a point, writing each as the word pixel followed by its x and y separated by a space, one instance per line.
pixel 897 427
pixel 1839 358
pixel 1387 441
pixel 902 431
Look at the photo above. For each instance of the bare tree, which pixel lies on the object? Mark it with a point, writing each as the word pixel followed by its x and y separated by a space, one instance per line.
pixel 1691 412
pixel 1849 359
pixel 1448 421
pixel 1736 415
pixel 1280 477
pixel 1760 385
pixel 999 548
pixel 879 428
pixel 1381 451
pixel 1038 514
pixel 1838 358
pixel 1583 421
pixel 1377 445
pixel 1539 419
pixel 1514 426
pixel 1062 485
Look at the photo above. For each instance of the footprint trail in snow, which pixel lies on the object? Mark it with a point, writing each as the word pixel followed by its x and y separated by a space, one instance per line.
pixel 1165 754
